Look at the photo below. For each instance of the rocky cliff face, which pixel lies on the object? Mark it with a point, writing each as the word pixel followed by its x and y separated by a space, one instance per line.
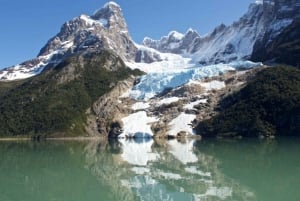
pixel 280 40
pixel 283 49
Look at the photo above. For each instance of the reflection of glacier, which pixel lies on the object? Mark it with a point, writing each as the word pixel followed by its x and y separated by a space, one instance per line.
pixel 170 170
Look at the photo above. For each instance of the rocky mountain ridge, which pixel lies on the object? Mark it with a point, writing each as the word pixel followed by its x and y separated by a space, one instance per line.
pixel 263 21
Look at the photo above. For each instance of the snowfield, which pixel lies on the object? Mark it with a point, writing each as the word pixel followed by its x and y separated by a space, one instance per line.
pixel 138 125
pixel 181 124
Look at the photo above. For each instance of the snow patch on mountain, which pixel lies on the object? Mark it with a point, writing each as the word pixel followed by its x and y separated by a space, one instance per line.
pixel 176 35
pixel 191 105
pixel 91 22
pixel 182 123
pixel 162 62
pixel 138 125
pixel 34 67
pixel 168 101
pixel 213 85
pixel 140 106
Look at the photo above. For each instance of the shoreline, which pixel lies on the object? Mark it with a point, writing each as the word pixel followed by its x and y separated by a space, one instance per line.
pixel 14 139
pixel 51 139
pixel 6 139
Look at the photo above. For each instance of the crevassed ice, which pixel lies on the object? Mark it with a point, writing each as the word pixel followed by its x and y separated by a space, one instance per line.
pixel 155 83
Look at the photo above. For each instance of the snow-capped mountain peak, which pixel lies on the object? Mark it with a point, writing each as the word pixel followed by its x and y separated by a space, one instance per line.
pixel 105 29
pixel 174 42
pixel 175 35
pixel 264 19
pixel 111 13
pixel 111 5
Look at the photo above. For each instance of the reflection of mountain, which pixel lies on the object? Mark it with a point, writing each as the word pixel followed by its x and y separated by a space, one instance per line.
pixel 104 161
pixel 212 170
pixel 169 170
pixel 31 171
pixel 270 168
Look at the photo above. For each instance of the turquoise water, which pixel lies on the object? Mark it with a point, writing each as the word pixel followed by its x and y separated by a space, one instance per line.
pixel 208 170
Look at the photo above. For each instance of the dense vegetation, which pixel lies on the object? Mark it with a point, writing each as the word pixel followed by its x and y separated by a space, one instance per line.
pixel 55 101
pixel 268 105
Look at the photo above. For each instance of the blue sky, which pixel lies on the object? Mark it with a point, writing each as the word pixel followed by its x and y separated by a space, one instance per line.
pixel 27 25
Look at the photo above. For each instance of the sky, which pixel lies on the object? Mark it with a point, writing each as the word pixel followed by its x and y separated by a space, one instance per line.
pixel 26 26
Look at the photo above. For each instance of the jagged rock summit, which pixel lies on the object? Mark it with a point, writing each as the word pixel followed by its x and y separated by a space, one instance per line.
pixel 105 29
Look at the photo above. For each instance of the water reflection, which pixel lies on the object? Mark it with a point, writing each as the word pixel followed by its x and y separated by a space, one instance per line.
pixel 138 151
pixel 150 170
pixel 166 170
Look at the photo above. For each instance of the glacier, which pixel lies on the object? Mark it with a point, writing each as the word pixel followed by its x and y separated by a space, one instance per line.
pixel 154 83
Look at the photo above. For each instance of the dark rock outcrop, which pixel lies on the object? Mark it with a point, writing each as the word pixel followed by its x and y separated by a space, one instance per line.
pixel 285 48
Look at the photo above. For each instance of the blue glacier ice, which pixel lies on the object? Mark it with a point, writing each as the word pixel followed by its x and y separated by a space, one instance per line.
pixel 152 84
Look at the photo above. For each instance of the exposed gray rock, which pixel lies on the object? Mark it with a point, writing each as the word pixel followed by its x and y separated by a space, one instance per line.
pixel 107 111
pixel 144 56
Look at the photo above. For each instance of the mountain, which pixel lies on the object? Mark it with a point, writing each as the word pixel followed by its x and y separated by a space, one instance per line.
pixel 82 82
pixel 263 21
pixel 285 48
pixel 56 102
pixel 268 105
pixel 105 29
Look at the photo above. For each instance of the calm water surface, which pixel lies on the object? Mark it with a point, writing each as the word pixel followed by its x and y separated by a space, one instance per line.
pixel 123 170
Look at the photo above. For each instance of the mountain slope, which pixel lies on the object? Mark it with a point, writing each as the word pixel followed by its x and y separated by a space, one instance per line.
pixel 263 21
pixel 55 101
pixel 285 48
pixel 268 105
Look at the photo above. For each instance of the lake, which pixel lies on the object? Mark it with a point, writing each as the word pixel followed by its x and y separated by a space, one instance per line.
pixel 206 170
